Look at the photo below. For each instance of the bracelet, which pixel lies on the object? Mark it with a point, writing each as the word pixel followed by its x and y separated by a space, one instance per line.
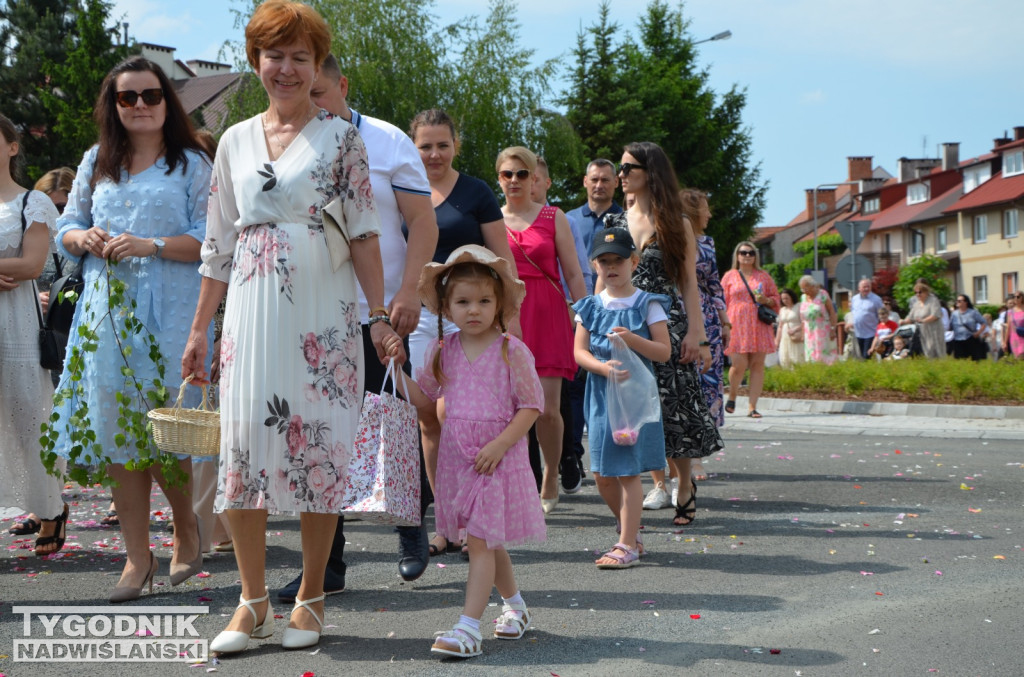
pixel 704 343
pixel 727 324
pixel 379 318
pixel 379 310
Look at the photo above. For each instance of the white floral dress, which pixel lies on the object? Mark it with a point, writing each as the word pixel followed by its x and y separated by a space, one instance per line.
pixel 291 352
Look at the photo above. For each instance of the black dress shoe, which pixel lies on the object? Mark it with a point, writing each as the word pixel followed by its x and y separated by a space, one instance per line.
pixel 413 552
pixel 333 584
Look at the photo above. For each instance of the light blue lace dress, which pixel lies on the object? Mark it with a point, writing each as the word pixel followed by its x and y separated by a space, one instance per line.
pixel 151 203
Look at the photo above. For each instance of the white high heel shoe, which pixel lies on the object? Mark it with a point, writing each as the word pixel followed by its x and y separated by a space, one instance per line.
pixel 295 638
pixel 233 641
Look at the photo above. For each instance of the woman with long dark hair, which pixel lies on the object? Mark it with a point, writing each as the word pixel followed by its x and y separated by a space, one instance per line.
pixel 137 211
pixel 668 265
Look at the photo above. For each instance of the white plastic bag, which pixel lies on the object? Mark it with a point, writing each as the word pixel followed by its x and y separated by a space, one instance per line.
pixel 632 398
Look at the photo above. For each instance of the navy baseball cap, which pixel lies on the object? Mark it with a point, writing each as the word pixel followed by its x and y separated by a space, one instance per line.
pixel 614 240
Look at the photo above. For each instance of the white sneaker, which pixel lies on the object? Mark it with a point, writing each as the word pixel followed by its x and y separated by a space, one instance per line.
pixel 657 498
pixel 675 491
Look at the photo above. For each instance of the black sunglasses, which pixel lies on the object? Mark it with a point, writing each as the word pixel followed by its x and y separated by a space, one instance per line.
pixel 626 167
pixel 60 206
pixel 150 97
pixel 746 252
pixel 521 174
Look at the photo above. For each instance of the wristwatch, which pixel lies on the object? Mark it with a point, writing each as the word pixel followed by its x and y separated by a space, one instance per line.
pixel 159 244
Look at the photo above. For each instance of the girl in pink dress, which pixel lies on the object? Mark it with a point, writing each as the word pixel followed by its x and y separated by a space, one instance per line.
pixel 492 396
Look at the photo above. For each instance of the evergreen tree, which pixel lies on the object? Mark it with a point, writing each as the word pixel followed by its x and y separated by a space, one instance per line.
pixel 32 32
pixel 73 84
pixel 651 90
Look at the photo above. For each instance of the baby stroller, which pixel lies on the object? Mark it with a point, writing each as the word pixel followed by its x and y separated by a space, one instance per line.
pixel 911 337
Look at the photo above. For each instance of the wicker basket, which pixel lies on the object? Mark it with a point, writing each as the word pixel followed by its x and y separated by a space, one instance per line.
pixel 187 431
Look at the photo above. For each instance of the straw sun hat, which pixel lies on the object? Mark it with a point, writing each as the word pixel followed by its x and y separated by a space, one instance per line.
pixel 515 290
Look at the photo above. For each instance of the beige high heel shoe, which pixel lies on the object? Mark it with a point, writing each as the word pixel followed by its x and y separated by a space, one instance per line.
pixel 233 641
pixel 126 593
pixel 181 572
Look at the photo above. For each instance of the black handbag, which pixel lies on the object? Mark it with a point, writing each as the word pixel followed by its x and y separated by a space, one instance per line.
pixel 51 347
pixel 64 294
pixel 764 313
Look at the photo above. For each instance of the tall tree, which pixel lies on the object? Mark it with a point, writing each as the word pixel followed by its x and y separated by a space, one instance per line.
pixel 32 32
pixel 73 84
pixel 660 95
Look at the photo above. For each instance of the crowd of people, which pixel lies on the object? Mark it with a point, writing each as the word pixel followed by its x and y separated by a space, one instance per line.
pixel 808 328
pixel 466 294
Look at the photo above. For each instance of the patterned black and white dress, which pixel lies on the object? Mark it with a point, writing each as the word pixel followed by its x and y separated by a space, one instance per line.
pixel 690 431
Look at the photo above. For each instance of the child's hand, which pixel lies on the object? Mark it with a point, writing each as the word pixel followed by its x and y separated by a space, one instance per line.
pixel 615 374
pixel 622 333
pixel 394 350
pixel 488 458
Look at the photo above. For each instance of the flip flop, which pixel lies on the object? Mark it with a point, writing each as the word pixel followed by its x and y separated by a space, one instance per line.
pixel 730 406
pixel 111 520
pixel 25 527
pixel 754 413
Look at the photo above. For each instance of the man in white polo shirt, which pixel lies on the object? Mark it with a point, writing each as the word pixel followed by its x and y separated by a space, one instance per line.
pixel 402 193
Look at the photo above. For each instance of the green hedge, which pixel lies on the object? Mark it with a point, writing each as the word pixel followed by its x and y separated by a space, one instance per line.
pixel 917 379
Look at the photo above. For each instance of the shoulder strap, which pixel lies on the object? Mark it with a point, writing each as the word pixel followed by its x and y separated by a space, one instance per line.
pixel 752 297
pixel 35 292
pixel 526 256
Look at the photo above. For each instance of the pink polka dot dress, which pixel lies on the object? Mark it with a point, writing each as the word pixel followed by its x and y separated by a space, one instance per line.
pixel 481 397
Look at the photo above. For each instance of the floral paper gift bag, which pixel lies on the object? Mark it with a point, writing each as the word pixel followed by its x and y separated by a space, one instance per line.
pixel 383 484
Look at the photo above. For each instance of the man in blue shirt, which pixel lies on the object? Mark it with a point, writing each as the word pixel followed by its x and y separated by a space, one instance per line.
pixel 600 182
pixel 864 307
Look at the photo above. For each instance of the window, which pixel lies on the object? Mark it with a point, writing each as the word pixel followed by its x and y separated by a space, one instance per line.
pixel 1009 284
pixel 1013 163
pixel 871 205
pixel 917 192
pixel 980 228
pixel 981 289
pixel 916 242
pixel 940 239
pixel 1011 218
pixel 976 176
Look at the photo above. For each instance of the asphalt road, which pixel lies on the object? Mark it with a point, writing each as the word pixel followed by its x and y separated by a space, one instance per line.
pixel 812 554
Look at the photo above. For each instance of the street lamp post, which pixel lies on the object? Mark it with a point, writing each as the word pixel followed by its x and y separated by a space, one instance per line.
pixel 724 35
pixel 814 201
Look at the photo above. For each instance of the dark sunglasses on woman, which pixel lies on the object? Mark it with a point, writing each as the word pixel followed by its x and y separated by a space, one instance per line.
pixel 745 252
pixel 626 167
pixel 521 174
pixel 151 97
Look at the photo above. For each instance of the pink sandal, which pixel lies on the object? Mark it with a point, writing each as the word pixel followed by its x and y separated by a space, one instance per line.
pixel 624 557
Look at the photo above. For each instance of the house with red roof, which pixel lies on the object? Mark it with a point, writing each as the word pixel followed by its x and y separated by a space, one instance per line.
pixel 987 219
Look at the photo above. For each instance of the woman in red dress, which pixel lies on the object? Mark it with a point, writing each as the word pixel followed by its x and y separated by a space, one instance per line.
pixel 541 241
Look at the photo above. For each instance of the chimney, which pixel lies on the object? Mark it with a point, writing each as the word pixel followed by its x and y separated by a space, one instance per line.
pixel 950 156
pixel 1018 133
pixel 826 202
pixel 1001 142
pixel 859 168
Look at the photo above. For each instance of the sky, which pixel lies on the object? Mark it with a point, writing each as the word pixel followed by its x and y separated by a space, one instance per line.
pixel 824 79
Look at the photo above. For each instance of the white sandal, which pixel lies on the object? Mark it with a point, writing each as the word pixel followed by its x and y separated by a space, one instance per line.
pixel 294 638
pixel 513 621
pixel 461 641
pixel 233 641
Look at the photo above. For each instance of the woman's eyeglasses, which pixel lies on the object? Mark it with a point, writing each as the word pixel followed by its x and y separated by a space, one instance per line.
pixel 521 174
pixel 626 167
pixel 746 252
pixel 151 97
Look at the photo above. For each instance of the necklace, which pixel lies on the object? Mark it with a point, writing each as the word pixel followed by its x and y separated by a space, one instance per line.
pixel 277 139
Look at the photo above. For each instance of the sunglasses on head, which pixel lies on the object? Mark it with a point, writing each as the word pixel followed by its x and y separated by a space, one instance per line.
pixel 151 97
pixel 746 252
pixel 626 167
pixel 521 174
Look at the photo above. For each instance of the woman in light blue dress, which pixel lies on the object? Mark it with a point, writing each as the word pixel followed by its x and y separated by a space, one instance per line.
pixel 138 211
